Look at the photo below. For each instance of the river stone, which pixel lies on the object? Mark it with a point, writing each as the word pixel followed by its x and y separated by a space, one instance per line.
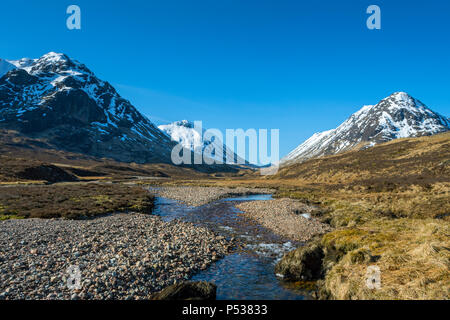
pixel 199 290
pixel 302 264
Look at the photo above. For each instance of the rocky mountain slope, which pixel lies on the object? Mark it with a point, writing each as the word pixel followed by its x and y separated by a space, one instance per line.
pixel 60 100
pixel 397 116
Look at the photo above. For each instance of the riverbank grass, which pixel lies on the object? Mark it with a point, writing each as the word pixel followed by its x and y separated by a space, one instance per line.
pixel 403 232
pixel 412 254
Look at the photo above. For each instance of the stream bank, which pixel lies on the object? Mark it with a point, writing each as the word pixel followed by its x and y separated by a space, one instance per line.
pixel 248 271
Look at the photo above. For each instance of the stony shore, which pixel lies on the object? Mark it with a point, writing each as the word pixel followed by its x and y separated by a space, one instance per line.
pixel 198 196
pixel 286 217
pixel 121 256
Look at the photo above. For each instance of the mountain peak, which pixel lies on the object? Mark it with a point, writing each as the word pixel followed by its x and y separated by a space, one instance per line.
pixel 397 116
pixel 400 94
pixel 184 123
pixel 59 99
pixel 402 98
pixel 55 56
pixel 185 133
pixel 53 62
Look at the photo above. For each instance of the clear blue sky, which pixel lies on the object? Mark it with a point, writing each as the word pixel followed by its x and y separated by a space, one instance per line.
pixel 300 66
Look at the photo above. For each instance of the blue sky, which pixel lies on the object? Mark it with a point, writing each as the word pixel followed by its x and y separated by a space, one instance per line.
pixel 299 66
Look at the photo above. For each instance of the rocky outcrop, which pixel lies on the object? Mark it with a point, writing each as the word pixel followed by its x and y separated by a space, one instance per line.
pixel 200 290
pixel 316 261
pixel 302 264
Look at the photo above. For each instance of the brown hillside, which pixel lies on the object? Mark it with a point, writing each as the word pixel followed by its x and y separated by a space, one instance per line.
pixel 404 162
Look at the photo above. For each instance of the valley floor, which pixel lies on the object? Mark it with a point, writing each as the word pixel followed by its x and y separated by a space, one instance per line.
pixel 402 230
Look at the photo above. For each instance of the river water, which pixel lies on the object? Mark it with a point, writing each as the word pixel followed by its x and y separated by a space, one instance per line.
pixel 248 272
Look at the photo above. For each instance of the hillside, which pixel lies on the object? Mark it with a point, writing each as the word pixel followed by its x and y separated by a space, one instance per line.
pixel 31 160
pixel 410 161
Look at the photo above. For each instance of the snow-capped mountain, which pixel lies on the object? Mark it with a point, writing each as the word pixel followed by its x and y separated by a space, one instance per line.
pixel 61 100
pixel 193 138
pixel 397 116
pixel 183 132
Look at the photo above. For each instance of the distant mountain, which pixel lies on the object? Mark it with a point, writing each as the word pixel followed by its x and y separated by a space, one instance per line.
pixel 397 116
pixel 61 100
pixel 185 133
pixel 5 66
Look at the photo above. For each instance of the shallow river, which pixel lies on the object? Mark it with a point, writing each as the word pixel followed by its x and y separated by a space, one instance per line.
pixel 248 272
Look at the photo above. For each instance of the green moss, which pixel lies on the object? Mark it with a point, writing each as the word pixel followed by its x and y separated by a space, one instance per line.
pixel 9 217
pixel 101 198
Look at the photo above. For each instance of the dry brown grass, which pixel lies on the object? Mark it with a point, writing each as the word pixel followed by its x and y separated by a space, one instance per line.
pixel 72 201
pixel 403 162
pixel 345 206
pixel 412 254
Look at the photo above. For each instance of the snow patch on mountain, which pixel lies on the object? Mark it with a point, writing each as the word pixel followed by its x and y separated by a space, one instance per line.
pixel 190 137
pixel 184 132
pixel 22 63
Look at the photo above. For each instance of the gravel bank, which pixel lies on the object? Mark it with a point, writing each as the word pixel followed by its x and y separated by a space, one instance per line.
pixel 284 217
pixel 121 256
pixel 198 196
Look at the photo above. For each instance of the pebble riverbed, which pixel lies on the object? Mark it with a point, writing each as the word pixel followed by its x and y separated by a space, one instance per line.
pixel 120 256
pixel 286 217
pixel 198 196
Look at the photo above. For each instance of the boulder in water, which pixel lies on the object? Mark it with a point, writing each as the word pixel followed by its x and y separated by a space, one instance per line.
pixel 199 290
